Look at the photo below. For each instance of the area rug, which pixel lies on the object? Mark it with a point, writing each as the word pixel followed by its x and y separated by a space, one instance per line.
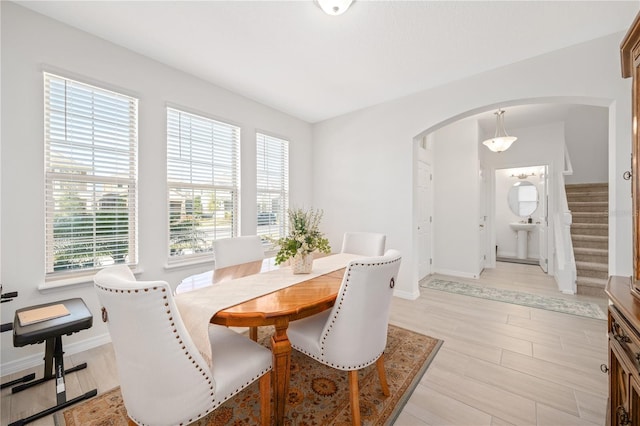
pixel 573 307
pixel 318 395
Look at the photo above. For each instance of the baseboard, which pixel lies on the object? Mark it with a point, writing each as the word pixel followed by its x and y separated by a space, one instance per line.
pixel 455 273
pixel 69 349
pixel 407 295
pixel 527 261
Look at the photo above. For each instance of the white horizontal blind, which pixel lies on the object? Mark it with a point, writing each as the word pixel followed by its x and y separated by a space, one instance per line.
pixel 203 179
pixel 272 186
pixel 91 139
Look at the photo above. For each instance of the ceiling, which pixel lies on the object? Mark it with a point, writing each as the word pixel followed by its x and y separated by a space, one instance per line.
pixel 292 57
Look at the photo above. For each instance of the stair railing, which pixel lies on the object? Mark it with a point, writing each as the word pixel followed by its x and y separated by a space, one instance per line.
pixel 565 271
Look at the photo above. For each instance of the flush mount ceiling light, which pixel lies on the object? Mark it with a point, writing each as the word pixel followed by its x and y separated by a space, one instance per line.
pixel 334 7
pixel 501 141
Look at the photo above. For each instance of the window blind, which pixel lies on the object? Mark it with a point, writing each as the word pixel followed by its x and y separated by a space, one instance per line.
pixel 203 180
pixel 91 138
pixel 272 186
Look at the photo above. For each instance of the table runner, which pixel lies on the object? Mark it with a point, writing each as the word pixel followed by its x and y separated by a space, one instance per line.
pixel 197 307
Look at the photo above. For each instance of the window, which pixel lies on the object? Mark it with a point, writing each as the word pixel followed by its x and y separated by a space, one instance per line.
pixel 203 181
pixel 272 186
pixel 91 138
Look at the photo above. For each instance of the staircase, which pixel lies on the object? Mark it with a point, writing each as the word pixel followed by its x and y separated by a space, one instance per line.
pixel 589 206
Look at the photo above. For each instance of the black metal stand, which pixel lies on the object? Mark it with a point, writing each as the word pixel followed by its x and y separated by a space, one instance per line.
pixel 55 408
pixel 20 380
pixel 8 297
pixel 51 332
pixel 54 354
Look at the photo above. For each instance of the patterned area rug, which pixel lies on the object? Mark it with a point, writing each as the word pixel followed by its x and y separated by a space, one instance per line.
pixel 318 395
pixel 573 307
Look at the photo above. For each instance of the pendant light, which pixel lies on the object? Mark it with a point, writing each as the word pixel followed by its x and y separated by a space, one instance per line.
pixel 334 7
pixel 501 141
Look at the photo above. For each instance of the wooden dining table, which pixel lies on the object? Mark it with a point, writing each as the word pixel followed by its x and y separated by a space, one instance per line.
pixel 278 309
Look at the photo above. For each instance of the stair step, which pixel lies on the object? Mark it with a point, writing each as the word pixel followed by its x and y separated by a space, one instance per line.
pixel 587 197
pixel 590 217
pixel 592 251
pixel 590 238
pixel 594 190
pixel 590 241
pixel 601 275
pixel 586 186
pixel 591 255
pixel 592 282
pixel 590 225
pixel 590 229
pixel 593 266
pixel 586 244
pixel 591 286
pixel 592 270
pixel 589 206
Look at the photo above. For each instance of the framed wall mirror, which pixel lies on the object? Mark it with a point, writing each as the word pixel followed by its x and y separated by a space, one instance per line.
pixel 523 198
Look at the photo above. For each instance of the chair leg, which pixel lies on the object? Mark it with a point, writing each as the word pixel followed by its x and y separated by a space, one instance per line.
pixel 354 397
pixel 253 333
pixel 265 398
pixel 382 375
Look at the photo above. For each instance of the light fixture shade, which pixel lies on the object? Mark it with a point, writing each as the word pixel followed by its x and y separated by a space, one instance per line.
pixel 499 144
pixel 501 141
pixel 334 7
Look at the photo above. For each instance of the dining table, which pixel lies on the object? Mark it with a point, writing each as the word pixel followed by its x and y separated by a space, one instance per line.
pixel 237 296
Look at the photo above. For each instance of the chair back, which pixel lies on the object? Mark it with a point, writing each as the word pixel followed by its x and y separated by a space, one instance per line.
pixel 364 243
pixel 233 251
pixel 163 377
pixel 355 333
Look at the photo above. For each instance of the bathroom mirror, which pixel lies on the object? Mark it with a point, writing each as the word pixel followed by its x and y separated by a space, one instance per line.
pixel 523 198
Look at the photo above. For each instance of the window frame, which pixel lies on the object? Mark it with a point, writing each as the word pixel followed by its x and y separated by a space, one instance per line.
pixel 268 192
pixel 63 126
pixel 233 188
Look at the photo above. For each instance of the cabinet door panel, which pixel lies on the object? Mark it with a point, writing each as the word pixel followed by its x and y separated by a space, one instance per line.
pixel 634 401
pixel 619 385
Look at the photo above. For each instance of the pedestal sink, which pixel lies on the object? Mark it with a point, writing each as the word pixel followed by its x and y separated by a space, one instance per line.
pixel 523 230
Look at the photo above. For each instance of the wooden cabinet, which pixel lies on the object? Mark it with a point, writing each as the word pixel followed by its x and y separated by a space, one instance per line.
pixel 630 58
pixel 624 354
pixel 624 292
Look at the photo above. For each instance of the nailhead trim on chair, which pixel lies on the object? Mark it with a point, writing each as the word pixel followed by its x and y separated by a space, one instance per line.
pixel 180 342
pixel 333 320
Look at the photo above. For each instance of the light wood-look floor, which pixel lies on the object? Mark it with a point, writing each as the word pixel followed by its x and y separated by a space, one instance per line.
pixel 500 364
pixel 504 364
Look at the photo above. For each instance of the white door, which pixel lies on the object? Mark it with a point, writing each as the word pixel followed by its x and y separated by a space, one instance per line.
pixel 482 221
pixel 543 218
pixel 424 222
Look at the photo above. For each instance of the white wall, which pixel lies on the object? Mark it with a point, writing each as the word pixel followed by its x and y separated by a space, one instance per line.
pixel 32 43
pixel 369 183
pixel 586 132
pixel 455 210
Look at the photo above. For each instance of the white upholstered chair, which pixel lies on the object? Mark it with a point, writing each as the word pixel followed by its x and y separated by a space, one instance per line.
pixel 364 243
pixel 234 251
pixel 353 334
pixel 237 250
pixel 164 379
